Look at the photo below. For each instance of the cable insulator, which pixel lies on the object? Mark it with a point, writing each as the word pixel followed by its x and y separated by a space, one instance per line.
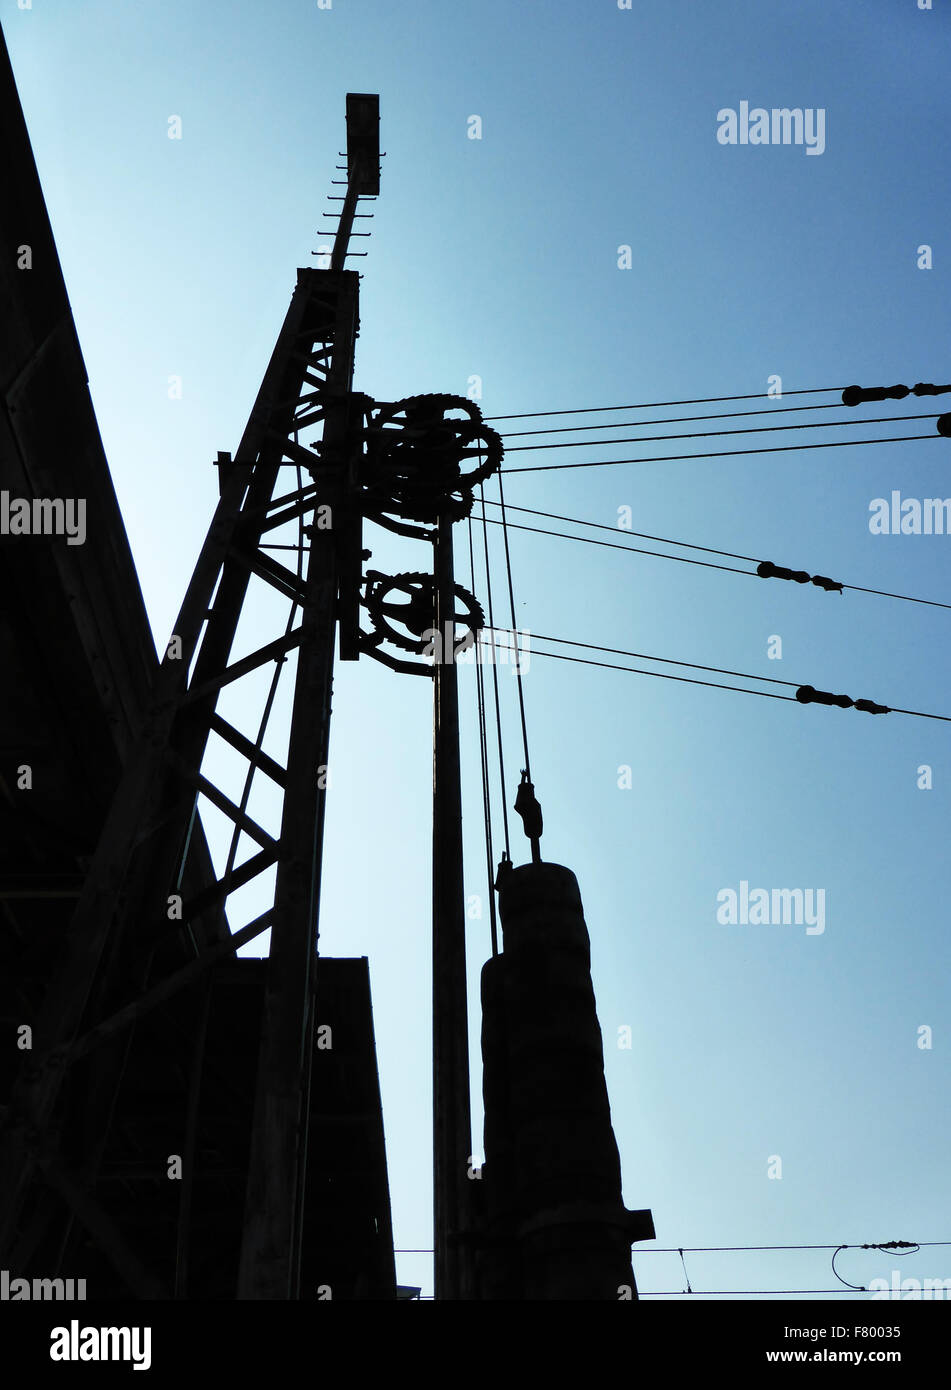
pixel 767 570
pixel 808 695
pixel 858 395
pixel 926 388
pixel 944 426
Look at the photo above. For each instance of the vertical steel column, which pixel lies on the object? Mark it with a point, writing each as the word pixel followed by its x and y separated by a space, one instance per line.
pixel 452 1126
pixel 274 1205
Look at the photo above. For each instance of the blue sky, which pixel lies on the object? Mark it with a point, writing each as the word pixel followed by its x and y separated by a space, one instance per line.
pixel 498 258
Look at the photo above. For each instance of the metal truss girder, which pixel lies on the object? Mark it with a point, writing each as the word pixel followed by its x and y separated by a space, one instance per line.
pixel 306 418
pixel 231 882
pixel 270 1255
pixel 309 375
pixel 306 502
pixel 126 874
pixel 273 651
pixel 261 760
pixel 224 803
pixel 284 580
pixel 296 453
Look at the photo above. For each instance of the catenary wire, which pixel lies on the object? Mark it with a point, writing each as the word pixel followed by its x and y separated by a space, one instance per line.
pixel 728 1249
pixel 718 434
pixel 687 545
pixel 668 661
pixel 654 405
pixel 616 545
pixel 724 1293
pixel 716 685
pixel 722 454
pixel 642 535
pixel 661 675
pixel 673 420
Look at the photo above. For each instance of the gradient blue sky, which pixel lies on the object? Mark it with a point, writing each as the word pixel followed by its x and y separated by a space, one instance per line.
pixel 498 257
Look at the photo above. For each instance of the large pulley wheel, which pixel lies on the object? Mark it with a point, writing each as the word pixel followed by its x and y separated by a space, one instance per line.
pixel 410 624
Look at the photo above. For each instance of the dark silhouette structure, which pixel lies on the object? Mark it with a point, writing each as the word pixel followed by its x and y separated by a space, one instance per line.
pixel 180 1122
pixel 555 1224
pixel 135 1151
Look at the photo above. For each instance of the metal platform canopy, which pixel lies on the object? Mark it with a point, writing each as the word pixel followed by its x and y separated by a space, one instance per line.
pixel 139 1052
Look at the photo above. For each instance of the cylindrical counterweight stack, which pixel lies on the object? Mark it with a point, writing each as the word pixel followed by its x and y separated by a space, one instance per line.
pixel 555 1224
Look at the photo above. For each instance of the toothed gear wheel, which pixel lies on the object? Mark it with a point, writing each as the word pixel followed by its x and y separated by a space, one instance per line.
pixel 417 616
pixel 428 404
pixel 416 470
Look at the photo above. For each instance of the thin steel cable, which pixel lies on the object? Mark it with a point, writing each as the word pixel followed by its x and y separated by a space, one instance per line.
pixel 658 554
pixel 653 405
pixel 724 1293
pixel 718 434
pixel 687 545
pixel 664 675
pixel 918 714
pixel 724 454
pixel 518 662
pixel 673 420
pixel 668 661
pixel 484 761
pixel 715 1293
pixel 722 1249
pixel 729 1249
pixel 905 598
pixel 631 549
pixel 641 535
pixel 495 674
pixel 489 849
